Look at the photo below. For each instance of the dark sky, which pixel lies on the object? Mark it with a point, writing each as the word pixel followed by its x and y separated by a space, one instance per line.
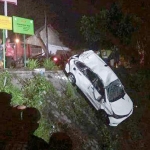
pixel 75 6
pixel 67 20
pixel 68 14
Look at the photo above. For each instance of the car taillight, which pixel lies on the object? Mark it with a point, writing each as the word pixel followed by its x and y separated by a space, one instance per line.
pixel 55 59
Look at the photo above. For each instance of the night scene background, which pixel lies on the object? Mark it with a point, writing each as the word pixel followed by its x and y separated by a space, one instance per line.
pixel 99 24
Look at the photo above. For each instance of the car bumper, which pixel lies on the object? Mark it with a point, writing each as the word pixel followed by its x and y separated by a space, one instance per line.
pixel 115 121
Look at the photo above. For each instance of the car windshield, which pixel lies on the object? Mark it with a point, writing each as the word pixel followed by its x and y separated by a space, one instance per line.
pixel 115 91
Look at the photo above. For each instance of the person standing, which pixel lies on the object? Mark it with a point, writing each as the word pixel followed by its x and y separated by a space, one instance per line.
pixel 1 50
pixel 9 54
pixel 117 57
pixel 1 54
pixel 111 58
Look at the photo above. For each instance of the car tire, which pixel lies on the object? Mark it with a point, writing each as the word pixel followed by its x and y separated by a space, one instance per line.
pixel 72 78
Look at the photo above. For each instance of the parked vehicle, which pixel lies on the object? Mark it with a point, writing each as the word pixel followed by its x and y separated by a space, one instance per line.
pixel 100 85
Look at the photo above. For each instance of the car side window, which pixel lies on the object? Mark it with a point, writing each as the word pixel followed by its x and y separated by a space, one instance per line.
pixel 80 65
pixel 90 75
pixel 93 78
pixel 96 82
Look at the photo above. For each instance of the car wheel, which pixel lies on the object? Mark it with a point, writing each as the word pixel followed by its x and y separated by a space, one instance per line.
pixel 71 78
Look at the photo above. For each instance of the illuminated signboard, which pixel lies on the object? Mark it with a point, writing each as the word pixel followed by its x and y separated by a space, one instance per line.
pixel 5 22
pixel 23 25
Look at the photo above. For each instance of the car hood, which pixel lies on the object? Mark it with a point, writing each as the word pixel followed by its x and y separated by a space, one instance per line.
pixel 123 106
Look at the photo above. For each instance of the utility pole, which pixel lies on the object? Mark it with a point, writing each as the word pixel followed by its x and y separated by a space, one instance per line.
pixel 46 30
pixel 5 13
pixel 5 35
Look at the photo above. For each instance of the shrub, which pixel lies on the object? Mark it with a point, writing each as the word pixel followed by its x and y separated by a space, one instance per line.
pixel 7 86
pixel 49 64
pixel 32 94
pixel 32 64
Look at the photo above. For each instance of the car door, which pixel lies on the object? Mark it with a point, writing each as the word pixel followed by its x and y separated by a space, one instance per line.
pixel 96 88
pixel 88 83
pixel 85 85
pixel 83 81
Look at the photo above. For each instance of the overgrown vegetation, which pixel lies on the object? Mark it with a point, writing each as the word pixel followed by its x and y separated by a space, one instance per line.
pixel 71 113
pixel 71 108
pixel 47 63
pixel 31 94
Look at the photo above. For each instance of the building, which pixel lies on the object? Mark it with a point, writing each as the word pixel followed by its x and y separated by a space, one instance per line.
pixel 47 39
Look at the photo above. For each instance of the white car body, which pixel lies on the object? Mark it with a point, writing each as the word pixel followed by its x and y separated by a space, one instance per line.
pixel 100 85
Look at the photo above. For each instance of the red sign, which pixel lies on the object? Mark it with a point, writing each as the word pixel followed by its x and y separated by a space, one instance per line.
pixel 10 1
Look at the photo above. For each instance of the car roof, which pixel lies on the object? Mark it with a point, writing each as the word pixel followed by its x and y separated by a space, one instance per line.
pixel 97 65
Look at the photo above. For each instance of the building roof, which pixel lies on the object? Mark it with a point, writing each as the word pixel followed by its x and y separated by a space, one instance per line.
pixel 53 37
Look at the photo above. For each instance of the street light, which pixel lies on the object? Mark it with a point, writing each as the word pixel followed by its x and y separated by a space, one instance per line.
pixel 17 40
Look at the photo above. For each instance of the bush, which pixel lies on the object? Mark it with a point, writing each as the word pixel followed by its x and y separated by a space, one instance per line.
pixel 32 64
pixel 32 94
pixel 7 86
pixel 49 64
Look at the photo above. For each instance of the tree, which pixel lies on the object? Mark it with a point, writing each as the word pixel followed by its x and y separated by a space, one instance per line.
pixel 108 27
pixel 140 40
